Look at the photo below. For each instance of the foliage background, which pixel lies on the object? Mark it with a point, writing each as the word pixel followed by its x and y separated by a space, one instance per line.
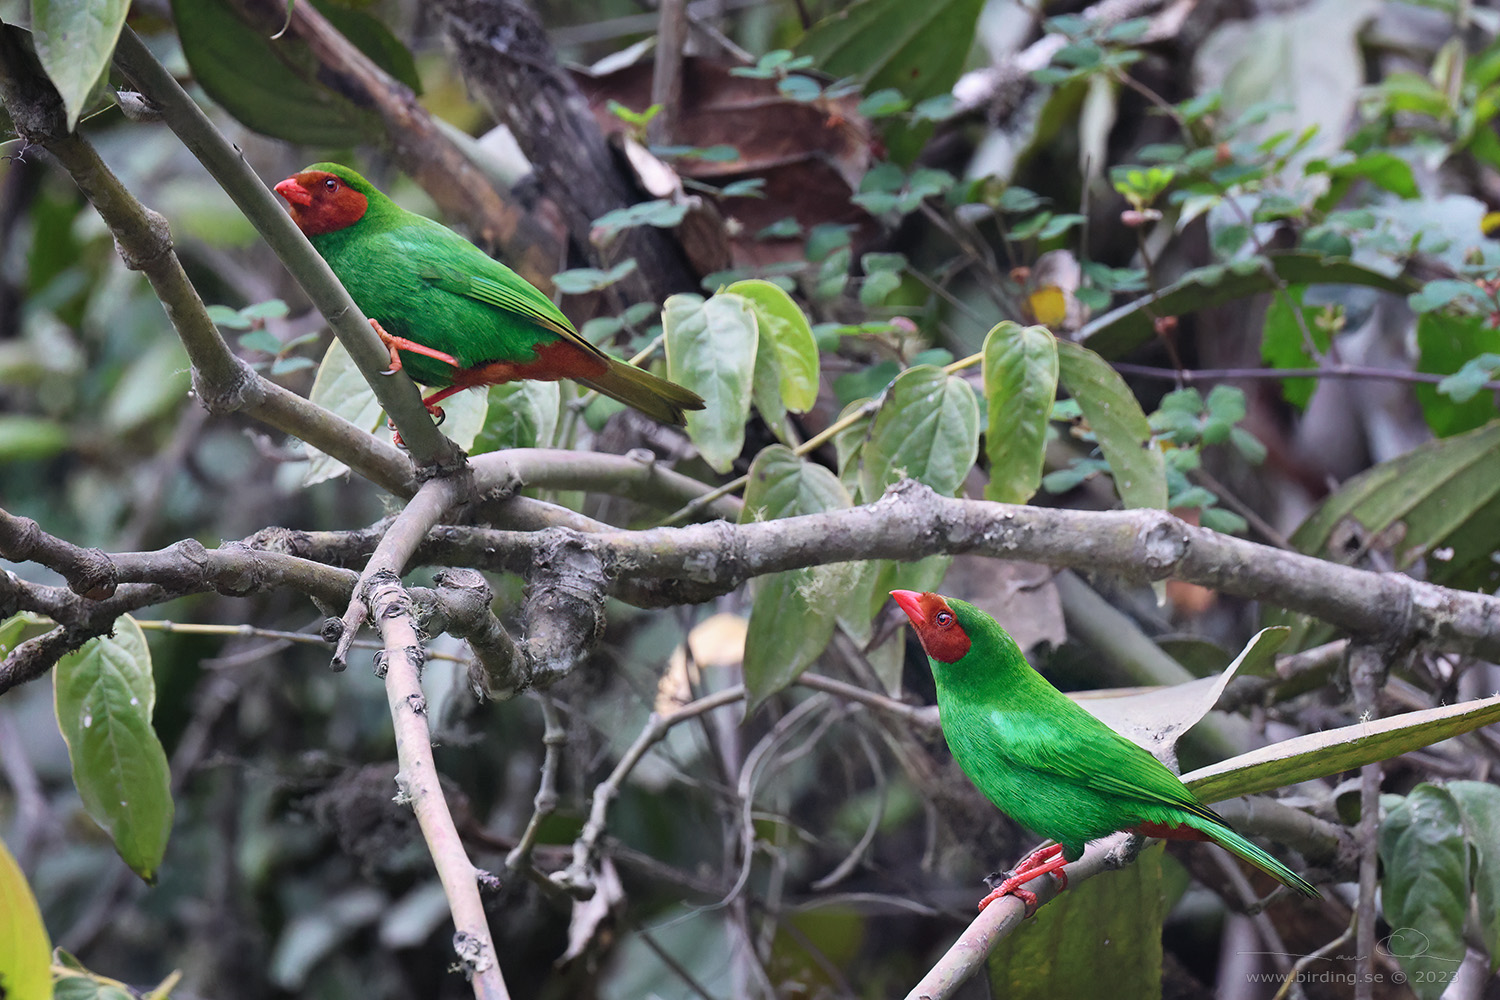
pixel 1078 166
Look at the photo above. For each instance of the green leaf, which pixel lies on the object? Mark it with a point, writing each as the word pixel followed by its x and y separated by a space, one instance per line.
pixel 154 383
pixel 711 348
pixel 341 388
pixel 1445 292
pixel 917 49
pixel 1464 384
pixel 75 40
pixel 1119 425
pixel 25 949
pixel 1107 930
pixel 1424 894
pixel 794 613
pixel 274 85
pixel 786 358
pixel 1120 331
pixel 519 415
pixel 1445 493
pixel 104 696
pixel 1479 806
pixel 1447 343
pixel 1321 754
pixel 26 438
pixel 581 280
pixel 660 213
pixel 1020 385
pixel 1282 344
pixel 927 429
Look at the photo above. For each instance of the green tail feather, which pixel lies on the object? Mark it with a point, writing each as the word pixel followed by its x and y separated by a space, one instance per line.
pixel 1239 846
pixel 655 397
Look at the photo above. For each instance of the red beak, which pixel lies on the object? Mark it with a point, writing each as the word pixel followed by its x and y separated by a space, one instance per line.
pixel 911 603
pixel 294 192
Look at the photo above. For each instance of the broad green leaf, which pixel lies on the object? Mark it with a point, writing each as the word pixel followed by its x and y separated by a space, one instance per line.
pixel 26 438
pixel 274 85
pixel 711 348
pixel 927 429
pixel 1020 385
pixel 1282 344
pixel 794 612
pixel 1445 494
pixel 1444 343
pixel 1106 930
pixel 786 351
pixel 1319 755
pixel 75 40
pixel 341 388
pixel 1424 893
pixel 1479 805
pixel 1118 332
pixel 1119 425
pixel 25 949
pixel 917 49
pixel 154 383
pixel 519 415
pixel 104 696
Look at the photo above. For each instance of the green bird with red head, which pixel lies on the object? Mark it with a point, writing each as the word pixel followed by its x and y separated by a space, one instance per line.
pixel 1047 763
pixel 451 315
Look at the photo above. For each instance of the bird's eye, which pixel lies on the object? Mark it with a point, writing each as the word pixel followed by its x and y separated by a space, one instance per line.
pixel 331 185
pixel 943 619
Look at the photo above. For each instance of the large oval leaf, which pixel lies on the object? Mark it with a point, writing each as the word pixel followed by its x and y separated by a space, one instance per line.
pixel 794 613
pixel 1020 386
pixel 1108 930
pixel 340 388
pixel 786 359
pixel 104 695
pixel 519 415
pixel 915 48
pixel 927 429
pixel 74 42
pixel 711 347
pixel 25 949
pixel 1118 423
pixel 274 85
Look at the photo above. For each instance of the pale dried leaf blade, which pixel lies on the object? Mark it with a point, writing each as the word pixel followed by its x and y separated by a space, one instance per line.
pixel 1318 755
pixel 1157 717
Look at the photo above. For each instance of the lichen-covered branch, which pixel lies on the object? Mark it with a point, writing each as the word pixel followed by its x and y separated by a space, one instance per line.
pixel 664 566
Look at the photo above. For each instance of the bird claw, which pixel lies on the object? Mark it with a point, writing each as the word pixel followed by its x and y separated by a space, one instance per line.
pixel 1045 861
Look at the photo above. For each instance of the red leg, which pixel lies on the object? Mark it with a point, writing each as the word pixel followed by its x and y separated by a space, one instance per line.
pixel 395 344
pixel 1046 861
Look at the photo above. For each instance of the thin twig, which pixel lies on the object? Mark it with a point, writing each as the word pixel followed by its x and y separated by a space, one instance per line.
pixel 553 738
pixel 578 878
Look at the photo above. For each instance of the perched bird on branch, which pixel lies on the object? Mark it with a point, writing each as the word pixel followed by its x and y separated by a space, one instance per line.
pixel 453 317
pixel 1047 763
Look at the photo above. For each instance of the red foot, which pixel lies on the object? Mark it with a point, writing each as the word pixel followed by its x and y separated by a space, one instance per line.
pixel 1044 861
pixel 395 344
